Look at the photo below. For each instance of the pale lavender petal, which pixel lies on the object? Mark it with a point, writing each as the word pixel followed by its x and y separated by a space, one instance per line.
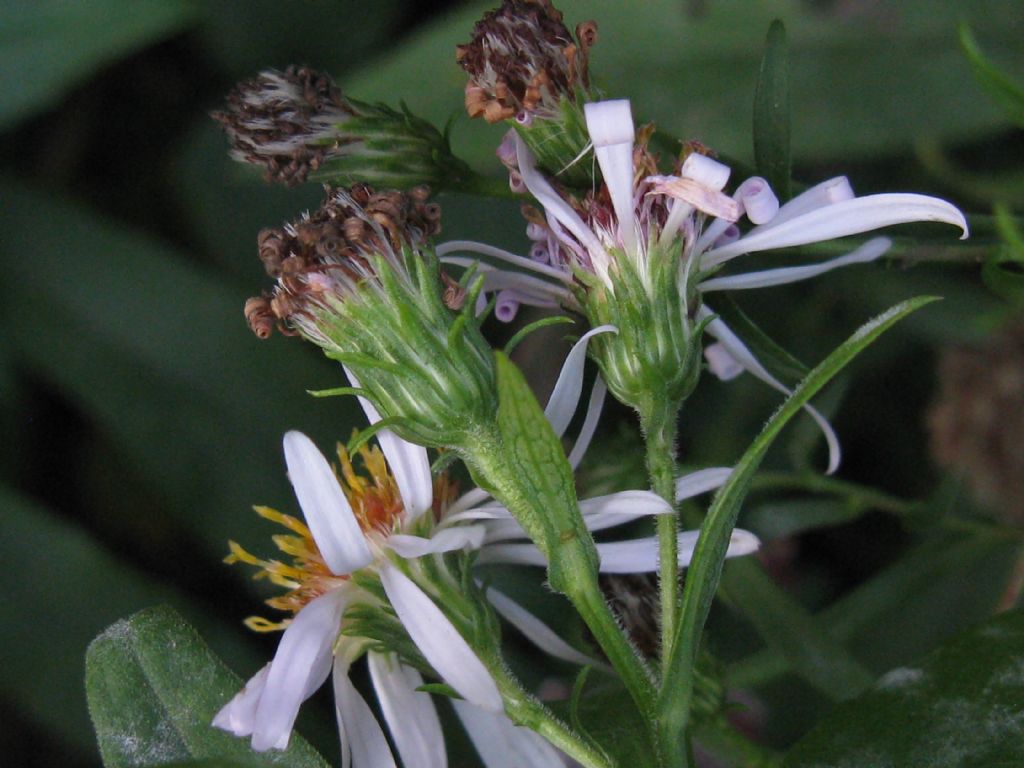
pixel 469 499
pixel 566 394
pixel 741 543
pixel 483 513
pixel 536 631
pixel 603 512
pixel 327 511
pixel 823 194
pixel 410 714
pixel 300 666
pixel 238 716
pixel 438 640
pixel 361 734
pixel 408 463
pixel 759 201
pixel 739 351
pixel 870 251
pixel 698 195
pixel 701 481
pixel 471 246
pixel 444 540
pixel 501 743
pixel 610 125
pixel 723 365
pixel 590 421
pixel 560 210
pixel 713 233
pixel 506 306
pixel 849 217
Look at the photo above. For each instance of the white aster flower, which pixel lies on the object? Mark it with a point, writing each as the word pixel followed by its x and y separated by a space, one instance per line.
pixel 685 217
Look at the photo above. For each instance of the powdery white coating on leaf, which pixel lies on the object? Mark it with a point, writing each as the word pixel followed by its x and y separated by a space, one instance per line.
pixel 900 679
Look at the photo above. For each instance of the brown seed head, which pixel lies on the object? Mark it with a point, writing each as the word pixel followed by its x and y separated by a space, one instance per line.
pixel 523 60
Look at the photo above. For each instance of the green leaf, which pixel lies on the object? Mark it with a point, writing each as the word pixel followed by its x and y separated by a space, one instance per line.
pixel 706 566
pixel 611 723
pixel 154 688
pixel 541 492
pixel 1000 88
pixel 48 46
pixel 772 154
pixel 64 587
pixel 154 352
pixel 960 706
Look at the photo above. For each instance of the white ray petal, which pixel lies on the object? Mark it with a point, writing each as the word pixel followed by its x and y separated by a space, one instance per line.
pixel 501 743
pixel 300 666
pixel 721 364
pixel 471 246
pixel 408 463
pixel 825 193
pixel 701 481
pixel 560 210
pixel 512 554
pixel 439 642
pixel 565 396
pixel 641 555
pixel 444 540
pixel 870 251
pixel 497 279
pixel 732 344
pixel 483 513
pixel 410 714
pixel 590 421
pixel 705 170
pixel 327 511
pixel 238 716
pixel 469 499
pixel 536 631
pixel 610 125
pixel 603 512
pixel 361 734
pixel 848 217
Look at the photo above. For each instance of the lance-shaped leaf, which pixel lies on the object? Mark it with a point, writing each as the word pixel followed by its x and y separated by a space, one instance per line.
pixel 771 112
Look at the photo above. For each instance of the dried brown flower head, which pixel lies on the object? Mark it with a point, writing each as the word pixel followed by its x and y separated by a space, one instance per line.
pixel 523 60
pixel 325 255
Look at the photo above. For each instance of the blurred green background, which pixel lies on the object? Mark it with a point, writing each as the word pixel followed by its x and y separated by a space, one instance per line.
pixel 143 420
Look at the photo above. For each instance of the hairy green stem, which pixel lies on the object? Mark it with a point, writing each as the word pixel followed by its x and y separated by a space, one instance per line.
pixel 659 440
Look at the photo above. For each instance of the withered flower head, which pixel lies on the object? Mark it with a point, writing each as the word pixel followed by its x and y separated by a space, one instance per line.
pixel 978 419
pixel 522 61
pixel 299 127
pixel 323 258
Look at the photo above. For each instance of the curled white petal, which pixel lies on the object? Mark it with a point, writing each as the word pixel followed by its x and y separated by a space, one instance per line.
pixel 594 406
pixel 701 481
pixel 565 396
pixel 759 201
pixel 238 716
pixel 610 125
pixel 706 171
pixel 501 743
pixel 825 193
pixel 443 540
pixel 723 365
pixel 870 251
pixel 408 463
pixel 300 666
pixel 536 631
pixel 739 351
pixel 439 642
pixel 410 714
pixel 472 246
pixel 363 740
pixel 327 511
pixel 848 217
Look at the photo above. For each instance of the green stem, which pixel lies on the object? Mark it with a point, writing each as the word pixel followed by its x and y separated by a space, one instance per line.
pixel 659 440
pixel 527 711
